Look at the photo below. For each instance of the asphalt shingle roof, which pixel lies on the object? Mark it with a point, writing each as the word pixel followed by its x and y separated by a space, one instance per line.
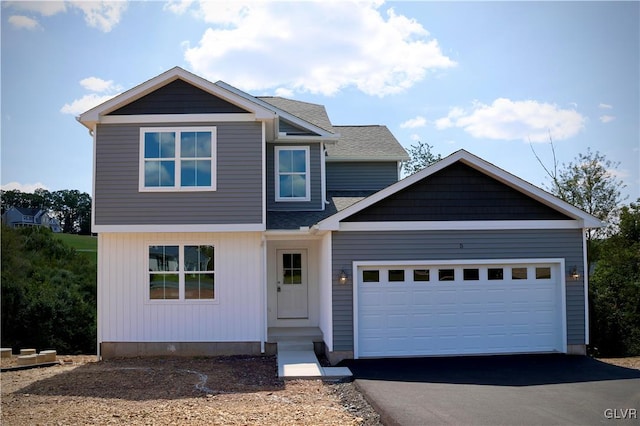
pixel 373 142
pixel 338 200
pixel 315 114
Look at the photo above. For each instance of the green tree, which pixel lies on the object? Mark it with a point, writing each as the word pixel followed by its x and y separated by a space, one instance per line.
pixel 72 208
pixel 421 157
pixel 48 293
pixel 39 199
pixel 615 289
pixel 589 184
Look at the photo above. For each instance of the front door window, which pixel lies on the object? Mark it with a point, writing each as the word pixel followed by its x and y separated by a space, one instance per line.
pixel 292 284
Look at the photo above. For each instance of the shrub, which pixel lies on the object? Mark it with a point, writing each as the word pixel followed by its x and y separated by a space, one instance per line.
pixel 48 293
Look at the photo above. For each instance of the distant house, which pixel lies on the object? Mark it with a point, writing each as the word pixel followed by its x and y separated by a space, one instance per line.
pixel 20 217
pixel 225 218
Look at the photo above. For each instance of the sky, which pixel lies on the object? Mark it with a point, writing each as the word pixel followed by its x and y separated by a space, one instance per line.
pixel 498 79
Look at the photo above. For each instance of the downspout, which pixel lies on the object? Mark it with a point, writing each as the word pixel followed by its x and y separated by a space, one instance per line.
pixel 585 281
pixel 323 174
pixel 265 320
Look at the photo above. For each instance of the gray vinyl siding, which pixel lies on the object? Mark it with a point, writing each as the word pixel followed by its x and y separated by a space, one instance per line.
pixel 457 192
pixel 178 97
pixel 316 182
pixel 361 176
pixel 237 200
pixel 290 129
pixel 348 247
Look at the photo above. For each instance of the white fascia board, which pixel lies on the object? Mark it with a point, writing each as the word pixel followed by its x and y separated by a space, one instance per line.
pixel 585 219
pixel 177 118
pixel 280 112
pixel 297 234
pixel 299 138
pixel 170 228
pixel 95 114
pixel 479 225
pixel 531 190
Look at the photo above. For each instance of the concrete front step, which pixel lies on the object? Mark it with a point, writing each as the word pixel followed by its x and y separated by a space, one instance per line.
pixel 298 364
pixel 295 345
pixel 297 360
pixel 283 334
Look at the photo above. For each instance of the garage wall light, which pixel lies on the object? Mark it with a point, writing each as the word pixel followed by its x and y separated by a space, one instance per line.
pixel 342 278
pixel 574 274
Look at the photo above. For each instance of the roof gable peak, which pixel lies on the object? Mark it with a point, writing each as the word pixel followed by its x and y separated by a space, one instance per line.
pixel 480 165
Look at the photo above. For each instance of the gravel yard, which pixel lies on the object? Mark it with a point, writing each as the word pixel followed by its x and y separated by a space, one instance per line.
pixel 194 391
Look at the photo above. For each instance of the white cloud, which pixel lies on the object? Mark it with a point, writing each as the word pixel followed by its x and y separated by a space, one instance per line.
pixel 415 137
pixel 23 187
pixel 103 15
pixel 446 122
pixel 607 118
pixel 317 47
pixel 605 106
pixel 24 22
pixel 85 103
pixel 413 123
pixel 178 6
pixel 103 90
pixel 284 92
pixel 95 84
pixel 505 119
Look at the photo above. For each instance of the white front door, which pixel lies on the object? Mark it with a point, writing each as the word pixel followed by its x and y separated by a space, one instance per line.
pixel 292 284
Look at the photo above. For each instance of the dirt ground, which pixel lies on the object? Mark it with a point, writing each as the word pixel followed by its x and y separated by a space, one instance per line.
pixel 174 391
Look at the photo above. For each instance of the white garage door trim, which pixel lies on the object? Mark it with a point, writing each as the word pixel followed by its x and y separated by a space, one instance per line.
pixel 558 265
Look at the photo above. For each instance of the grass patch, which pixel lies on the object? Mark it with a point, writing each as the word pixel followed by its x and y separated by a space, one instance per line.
pixel 84 244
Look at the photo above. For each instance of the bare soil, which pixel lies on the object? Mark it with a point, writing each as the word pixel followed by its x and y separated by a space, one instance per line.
pixel 176 391
pixel 171 391
pixel 628 362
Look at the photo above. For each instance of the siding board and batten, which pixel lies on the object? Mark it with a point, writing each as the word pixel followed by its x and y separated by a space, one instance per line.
pixel 127 315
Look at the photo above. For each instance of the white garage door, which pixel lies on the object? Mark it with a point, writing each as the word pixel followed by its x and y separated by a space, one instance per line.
pixel 451 309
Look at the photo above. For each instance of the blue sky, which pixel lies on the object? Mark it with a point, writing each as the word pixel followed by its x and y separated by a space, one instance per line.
pixel 487 77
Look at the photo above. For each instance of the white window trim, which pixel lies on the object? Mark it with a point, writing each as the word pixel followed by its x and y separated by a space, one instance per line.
pixel 177 158
pixel 181 273
pixel 276 162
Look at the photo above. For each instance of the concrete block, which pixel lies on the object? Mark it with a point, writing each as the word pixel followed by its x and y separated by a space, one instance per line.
pixel 27 359
pixel 47 356
pixel 27 351
pixel 5 352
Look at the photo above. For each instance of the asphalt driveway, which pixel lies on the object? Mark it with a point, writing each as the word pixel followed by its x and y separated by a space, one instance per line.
pixel 499 390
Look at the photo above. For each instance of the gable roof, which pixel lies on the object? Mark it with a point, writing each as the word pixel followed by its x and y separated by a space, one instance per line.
pixel 585 219
pixel 93 116
pixel 315 114
pixel 366 143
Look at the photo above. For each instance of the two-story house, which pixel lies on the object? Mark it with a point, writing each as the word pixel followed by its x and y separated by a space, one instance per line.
pixel 224 217
pixel 21 217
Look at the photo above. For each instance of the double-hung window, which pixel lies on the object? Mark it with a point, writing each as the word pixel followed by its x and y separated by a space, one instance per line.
pixel 178 159
pixel 181 272
pixel 292 173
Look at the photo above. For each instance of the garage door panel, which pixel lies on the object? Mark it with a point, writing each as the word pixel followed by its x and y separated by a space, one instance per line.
pixel 473 316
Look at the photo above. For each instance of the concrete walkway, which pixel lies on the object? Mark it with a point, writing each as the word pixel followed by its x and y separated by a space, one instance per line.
pixel 297 360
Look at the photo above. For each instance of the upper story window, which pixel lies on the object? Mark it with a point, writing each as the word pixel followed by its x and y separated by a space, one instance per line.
pixel 177 159
pixel 292 173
